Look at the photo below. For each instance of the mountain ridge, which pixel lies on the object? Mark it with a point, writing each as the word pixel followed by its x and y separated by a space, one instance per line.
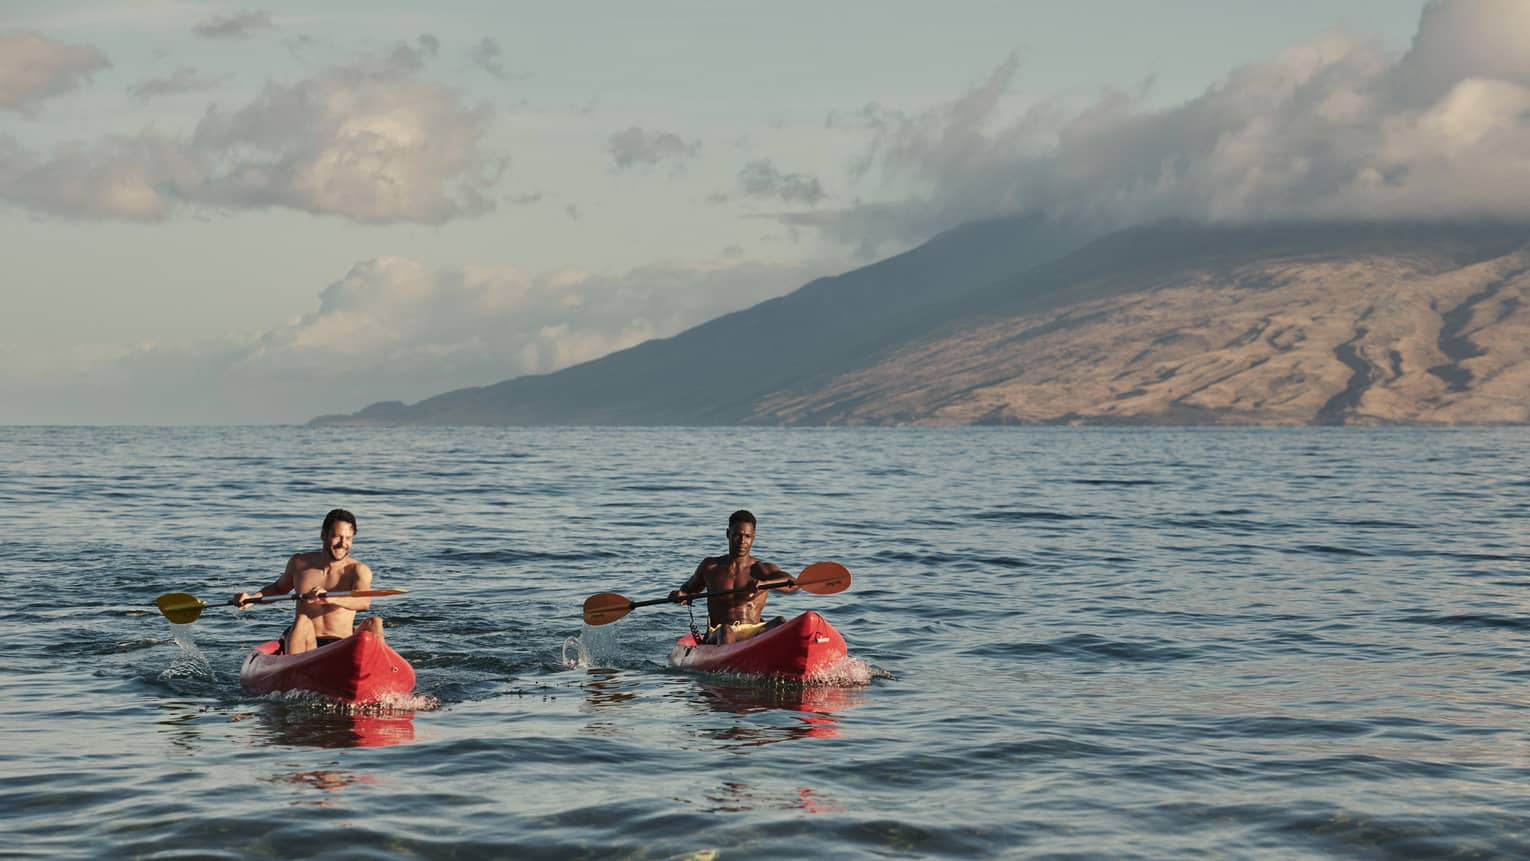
pixel 952 333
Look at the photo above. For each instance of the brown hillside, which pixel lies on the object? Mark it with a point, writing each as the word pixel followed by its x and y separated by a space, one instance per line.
pixel 1364 339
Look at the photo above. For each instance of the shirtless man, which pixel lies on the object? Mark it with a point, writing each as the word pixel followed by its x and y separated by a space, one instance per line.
pixel 320 621
pixel 731 618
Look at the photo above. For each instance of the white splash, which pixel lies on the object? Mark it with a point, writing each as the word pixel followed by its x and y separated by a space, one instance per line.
pixel 190 663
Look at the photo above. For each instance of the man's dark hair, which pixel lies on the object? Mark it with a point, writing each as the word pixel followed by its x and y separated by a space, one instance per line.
pixel 336 516
pixel 741 516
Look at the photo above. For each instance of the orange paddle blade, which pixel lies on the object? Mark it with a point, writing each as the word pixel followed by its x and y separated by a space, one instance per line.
pixel 605 607
pixel 824 578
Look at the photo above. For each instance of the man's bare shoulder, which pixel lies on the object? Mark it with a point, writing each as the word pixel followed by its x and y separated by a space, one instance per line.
pixel 353 574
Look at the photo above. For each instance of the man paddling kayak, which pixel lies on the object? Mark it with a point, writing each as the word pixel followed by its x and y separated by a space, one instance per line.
pixel 731 618
pixel 320 621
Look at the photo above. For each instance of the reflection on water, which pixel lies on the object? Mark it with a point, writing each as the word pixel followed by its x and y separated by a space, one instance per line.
pixel 609 690
pixel 812 802
pixel 605 690
pixel 325 779
pixel 180 725
pixel 605 687
pixel 754 736
pixel 303 726
pixel 746 698
pixel 732 796
pixel 819 705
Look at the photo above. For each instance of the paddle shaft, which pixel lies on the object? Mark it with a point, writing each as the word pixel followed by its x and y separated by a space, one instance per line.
pixel 694 597
pixel 270 599
pixel 181 608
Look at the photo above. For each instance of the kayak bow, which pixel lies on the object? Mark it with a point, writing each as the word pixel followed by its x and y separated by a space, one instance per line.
pixel 799 649
pixel 358 669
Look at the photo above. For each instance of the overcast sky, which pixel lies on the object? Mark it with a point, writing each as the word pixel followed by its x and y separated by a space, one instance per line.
pixel 252 213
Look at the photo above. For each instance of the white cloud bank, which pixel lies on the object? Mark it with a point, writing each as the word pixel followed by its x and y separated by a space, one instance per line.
pixel 34 68
pixel 390 329
pixel 370 141
pixel 1335 127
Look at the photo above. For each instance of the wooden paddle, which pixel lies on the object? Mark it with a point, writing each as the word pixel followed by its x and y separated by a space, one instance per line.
pixel 182 608
pixel 820 578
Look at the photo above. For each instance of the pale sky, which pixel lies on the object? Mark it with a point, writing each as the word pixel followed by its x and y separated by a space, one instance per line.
pixel 218 213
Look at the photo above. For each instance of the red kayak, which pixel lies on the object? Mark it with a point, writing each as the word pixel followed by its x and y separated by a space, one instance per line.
pixel 799 649
pixel 357 669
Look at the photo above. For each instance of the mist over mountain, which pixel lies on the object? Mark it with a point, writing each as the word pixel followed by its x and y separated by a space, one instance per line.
pixel 1025 320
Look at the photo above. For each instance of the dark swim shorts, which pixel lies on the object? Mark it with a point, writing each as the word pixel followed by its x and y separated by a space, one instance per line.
pixel 281 649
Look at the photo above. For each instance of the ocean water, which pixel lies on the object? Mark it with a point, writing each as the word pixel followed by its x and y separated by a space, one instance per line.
pixel 1067 643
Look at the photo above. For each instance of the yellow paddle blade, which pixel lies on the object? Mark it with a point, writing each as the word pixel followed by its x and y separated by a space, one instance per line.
pixel 824 578
pixel 605 607
pixel 179 607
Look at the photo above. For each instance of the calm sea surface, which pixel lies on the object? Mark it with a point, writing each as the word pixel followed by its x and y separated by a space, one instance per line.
pixel 1068 644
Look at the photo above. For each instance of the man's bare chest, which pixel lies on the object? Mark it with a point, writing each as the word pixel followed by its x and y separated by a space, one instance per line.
pixel 327 580
pixel 722 578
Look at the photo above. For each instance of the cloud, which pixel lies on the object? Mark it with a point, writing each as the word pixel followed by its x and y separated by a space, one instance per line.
pixel 636 145
pixel 487 55
pixel 238 26
pixel 34 67
pixel 371 142
pixel 1464 39
pixel 1333 127
pixel 183 80
pixel 122 178
pixel 762 179
pixel 389 329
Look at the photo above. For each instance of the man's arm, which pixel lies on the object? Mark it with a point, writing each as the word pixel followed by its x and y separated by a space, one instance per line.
pixel 696 584
pixel 768 573
pixel 282 586
pixel 363 582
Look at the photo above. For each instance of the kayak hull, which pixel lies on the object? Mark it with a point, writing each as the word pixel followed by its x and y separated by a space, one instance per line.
pixel 799 649
pixel 358 669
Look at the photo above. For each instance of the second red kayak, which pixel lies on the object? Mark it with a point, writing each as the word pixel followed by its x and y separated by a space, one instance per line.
pixel 358 669
pixel 799 649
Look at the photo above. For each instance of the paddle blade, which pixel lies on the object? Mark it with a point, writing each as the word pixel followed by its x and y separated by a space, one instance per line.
pixel 824 578
pixel 376 593
pixel 179 607
pixel 605 607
